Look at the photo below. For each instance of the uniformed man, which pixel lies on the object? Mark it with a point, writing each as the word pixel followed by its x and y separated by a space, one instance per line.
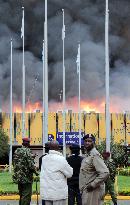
pixel 93 173
pixel 109 184
pixel 24 167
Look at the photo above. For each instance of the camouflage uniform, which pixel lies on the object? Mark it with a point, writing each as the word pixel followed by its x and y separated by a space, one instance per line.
pixel 109 184
pixel 23 173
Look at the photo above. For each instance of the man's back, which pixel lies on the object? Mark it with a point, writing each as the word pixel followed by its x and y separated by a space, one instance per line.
pixel 75 162
pixel 23 166
pixel 53 176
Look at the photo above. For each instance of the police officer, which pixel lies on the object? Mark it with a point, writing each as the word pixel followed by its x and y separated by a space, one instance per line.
pixel 109 184
pixel 73 183
pixel 93 173
pixel 24 167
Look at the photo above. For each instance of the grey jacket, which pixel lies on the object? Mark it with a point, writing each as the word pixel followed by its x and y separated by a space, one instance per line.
pixel 93 170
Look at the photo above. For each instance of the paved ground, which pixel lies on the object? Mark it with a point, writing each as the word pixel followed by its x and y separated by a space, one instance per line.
pixel 120 202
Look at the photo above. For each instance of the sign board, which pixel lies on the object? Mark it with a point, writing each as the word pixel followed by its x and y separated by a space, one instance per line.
pixel 50 137
pixel 70 137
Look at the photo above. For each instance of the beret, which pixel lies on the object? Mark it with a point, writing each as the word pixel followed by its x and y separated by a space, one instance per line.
pixel 74 146
pixel 91 136
pixel 26 139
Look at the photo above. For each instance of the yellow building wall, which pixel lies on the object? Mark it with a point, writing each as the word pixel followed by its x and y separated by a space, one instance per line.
pixel 6 124
pixel 36 129
pixel 75 122
pixel 128 128
pixel 102 127
pixel 60 122
pixel 19 127
pixel 91 125
pixel 67 122
pixel 52 124
pixel 118 128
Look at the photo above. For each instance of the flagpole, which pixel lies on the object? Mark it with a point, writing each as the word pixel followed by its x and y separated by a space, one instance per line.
pixel 63 37
pixel 79 98
pixel 23 82
pixel 46 74
pixel 107 112
pixel 43 115
pixel 10 153
pixel 79 107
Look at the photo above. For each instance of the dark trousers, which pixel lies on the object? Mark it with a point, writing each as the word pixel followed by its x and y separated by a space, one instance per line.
pixel 109 188
pixel 74 194
pixel 25 192
pixel 43 202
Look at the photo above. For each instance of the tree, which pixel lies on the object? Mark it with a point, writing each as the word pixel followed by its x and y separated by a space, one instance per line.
pixel 4 146
pixel 118 152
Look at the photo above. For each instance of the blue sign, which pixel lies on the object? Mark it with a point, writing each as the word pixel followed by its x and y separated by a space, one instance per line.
pixel 50 137
pixel 70 137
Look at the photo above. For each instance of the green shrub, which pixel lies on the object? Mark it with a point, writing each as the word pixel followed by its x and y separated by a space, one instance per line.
pixel 118 152
pixel 4 147
pixel 124 172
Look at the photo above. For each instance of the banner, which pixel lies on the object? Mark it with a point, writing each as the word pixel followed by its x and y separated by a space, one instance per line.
pixel 70 137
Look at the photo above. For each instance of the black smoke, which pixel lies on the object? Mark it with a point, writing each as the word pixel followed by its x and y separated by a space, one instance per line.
pixel 85 23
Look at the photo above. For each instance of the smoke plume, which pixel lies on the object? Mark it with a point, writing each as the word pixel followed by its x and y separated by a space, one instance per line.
pixel 85 23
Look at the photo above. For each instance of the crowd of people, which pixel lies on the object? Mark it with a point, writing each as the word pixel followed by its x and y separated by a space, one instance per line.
pixel 81 180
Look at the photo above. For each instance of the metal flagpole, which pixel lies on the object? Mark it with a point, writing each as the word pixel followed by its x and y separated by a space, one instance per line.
pixel 79 109
pixel 43 115
pixel 23 82
pixel 46 74
pixel 10 153
pixel 63 37
pixel 107 112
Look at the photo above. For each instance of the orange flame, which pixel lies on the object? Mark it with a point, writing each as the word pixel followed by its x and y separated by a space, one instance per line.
pixel 30 108
pixel 72 104
pixel 116 105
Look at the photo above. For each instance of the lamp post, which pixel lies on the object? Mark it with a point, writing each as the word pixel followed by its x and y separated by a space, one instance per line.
pixel 107 112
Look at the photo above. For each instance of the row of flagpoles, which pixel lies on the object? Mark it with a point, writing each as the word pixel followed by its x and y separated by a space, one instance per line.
pixel 45 85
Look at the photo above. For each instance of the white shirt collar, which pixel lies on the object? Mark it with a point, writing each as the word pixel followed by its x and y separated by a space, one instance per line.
pixel 55 152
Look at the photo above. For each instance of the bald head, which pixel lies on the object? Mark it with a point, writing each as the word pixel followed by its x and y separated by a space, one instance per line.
pixel 54 145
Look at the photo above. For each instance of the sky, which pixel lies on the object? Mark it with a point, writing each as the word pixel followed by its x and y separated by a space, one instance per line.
pixel 84 23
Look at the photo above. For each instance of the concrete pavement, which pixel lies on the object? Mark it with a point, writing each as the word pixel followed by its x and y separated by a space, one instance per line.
pixel 15 202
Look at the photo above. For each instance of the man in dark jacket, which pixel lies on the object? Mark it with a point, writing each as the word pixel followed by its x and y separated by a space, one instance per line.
pixel 47 147
pixel 73 183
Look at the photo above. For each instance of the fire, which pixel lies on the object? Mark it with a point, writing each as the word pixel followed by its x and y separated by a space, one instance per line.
pixel 29 108
pixel 72 104
pixel 116 105
pixel 92 106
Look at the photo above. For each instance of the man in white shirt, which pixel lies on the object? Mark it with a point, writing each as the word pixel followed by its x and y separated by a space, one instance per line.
pixel 53 177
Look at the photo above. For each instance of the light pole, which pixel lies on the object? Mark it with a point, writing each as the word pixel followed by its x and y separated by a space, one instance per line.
pixel 107 112
pixel 63 37
pixel 10 153
pixel 79 109
pixel 46 74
